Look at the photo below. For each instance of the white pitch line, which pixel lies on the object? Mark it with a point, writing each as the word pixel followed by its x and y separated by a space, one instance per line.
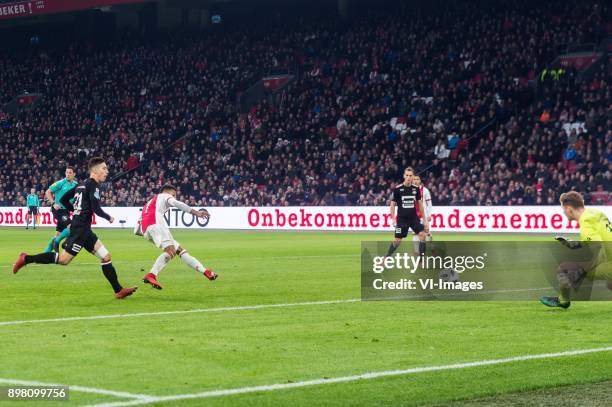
pixel 80 389
pixel 178 312
pixel 343 379
pixel 250 307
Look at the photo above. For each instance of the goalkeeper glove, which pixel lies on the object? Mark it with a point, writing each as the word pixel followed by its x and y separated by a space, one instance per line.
pixel 568 243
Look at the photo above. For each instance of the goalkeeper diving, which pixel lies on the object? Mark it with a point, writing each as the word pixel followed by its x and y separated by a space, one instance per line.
pixel 594 227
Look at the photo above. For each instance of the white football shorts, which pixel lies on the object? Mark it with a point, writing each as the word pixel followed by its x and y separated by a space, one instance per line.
pixel 160 236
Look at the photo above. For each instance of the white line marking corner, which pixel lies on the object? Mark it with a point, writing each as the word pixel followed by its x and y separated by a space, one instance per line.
pixel 343 379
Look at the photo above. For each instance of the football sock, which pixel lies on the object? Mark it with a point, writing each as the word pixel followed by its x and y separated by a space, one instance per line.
pixel 422 247
pixel 65 233
pixel 564 293
pixel 111 276
pixel 192 262
pixel 415 244
pixel 392 248
pixel 160 263
pixel 50 245
pixel 42 258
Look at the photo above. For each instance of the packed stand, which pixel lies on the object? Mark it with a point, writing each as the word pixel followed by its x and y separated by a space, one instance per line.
pixel 447 94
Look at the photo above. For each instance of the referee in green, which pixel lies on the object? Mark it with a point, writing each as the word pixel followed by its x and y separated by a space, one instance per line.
pixel 60 213
pixel 32 202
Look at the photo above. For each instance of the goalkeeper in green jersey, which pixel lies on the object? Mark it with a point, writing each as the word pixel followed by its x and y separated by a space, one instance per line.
pixel 32 203
pixel 61 215
pixel 594 227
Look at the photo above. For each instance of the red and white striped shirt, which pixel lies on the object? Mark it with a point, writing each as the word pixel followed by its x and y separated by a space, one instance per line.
pixel 426 196
pixel 154 210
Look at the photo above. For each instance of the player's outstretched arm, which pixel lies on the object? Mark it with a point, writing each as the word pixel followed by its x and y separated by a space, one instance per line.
pixel 186 208
pixel 95 205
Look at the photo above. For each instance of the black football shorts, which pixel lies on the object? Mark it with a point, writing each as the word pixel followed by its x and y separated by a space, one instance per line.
pixel 403 225
pixel 62 217
pixel 80 238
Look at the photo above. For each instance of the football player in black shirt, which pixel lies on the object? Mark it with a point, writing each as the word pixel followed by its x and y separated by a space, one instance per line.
pixel 86 202
pixel 406 197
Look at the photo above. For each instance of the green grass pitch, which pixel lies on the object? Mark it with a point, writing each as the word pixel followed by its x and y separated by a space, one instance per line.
pixel 186 353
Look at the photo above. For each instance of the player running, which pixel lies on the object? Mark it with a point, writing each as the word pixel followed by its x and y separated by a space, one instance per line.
pixel 86 202
pixel 32 202
pixel 416 181
pixel 407 198
pixel 153 227
pixel 594 227
pixel 61 215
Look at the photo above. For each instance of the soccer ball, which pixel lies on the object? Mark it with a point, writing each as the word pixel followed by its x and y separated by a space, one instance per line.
pixel 448 275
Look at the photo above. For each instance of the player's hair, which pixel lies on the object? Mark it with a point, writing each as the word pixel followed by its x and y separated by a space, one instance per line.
pixel 167 187
pixel 573 199
pixel 409 169
pixel 70 167
pixel 95 161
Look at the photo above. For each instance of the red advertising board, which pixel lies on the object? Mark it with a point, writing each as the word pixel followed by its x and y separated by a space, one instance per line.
pixel 39 7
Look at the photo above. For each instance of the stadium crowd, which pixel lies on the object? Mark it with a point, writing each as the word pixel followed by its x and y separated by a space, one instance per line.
pixel 447 93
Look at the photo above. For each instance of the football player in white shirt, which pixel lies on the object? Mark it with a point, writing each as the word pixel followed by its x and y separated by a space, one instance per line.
pixel 416 181
pixel 152 227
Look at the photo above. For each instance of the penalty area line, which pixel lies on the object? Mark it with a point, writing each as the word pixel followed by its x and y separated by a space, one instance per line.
pixel 353 378
pixel 178 312
pixel 248 307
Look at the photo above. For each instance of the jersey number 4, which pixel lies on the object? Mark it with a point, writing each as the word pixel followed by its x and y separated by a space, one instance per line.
pixel 78 197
